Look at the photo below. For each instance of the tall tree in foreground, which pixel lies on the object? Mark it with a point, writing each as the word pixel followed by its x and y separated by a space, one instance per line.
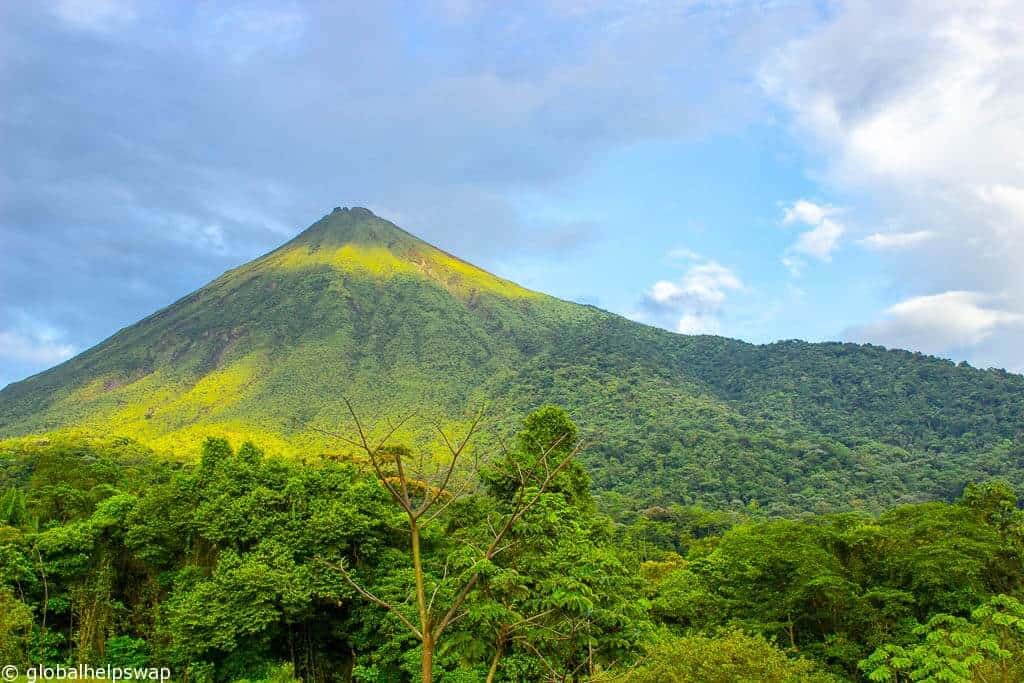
pixel 424 486
pixel 571 604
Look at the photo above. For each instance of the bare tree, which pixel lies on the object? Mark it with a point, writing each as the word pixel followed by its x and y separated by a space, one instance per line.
pixel 424 490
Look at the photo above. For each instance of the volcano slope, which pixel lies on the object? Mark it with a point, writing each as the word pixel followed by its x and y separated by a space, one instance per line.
pixel 356 307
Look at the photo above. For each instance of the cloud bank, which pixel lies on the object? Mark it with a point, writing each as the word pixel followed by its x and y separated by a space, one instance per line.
pixel 941 322
pixel 919 106
pixel 694 303
pixel 819 241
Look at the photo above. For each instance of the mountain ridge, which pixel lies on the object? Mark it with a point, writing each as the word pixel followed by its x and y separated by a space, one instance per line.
pixel 355 305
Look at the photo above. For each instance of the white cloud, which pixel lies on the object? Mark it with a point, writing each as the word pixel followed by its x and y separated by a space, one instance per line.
pixel 37 348
pixel 939 322
pixel 916 107
pixel 706 283
pixel 692 304
pixel 1007 199
pixel 695 323
pixel 808 213
pixel 820 241
pixel 930 95
pixel 891 241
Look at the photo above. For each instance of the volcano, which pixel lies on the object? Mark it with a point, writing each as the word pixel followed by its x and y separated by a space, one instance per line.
pixel 356 307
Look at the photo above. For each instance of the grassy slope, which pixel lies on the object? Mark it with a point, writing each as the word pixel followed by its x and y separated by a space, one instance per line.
pixel 356 306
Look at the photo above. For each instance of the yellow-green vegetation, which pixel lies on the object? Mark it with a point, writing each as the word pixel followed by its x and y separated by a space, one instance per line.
pixel 354 306
pixel 386 253
pixel 728 657
pixel 219 389
pixel 354 258
pixel 458 277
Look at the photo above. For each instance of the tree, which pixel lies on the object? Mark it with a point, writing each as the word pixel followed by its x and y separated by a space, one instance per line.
pixel 730 657
pixel 562 601
pixel 988 647
pixel 779 576
pixel 15 626
pixel 12 508
pixel 425 487
pixel 248 537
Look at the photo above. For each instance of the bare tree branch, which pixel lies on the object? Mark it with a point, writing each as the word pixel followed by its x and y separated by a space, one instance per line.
pixel 340 437
pixel 531 646
pixel 454 453
pixel 402 482
pixel 451 499
pixel 444 575
pixel 520 510
pixel 372 453
pixel 370 596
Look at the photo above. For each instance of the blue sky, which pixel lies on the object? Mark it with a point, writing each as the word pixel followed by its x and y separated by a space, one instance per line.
pixel 760 169
pixel 682 205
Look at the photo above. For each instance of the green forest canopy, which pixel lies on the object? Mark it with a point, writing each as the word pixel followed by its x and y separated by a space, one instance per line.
pixel 219 567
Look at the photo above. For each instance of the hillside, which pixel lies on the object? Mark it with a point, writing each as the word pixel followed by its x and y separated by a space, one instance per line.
pixel 356 306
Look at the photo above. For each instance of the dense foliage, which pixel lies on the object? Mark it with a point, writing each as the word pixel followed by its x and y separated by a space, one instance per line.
pixel 356 306
pixel 225 567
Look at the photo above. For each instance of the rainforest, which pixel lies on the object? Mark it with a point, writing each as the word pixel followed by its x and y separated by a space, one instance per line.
pixel 360 458
pixel 237 565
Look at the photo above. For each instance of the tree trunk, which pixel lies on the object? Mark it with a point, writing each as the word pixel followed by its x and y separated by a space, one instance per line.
pixel 421 602
pixel 428 658
pixel 497 657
